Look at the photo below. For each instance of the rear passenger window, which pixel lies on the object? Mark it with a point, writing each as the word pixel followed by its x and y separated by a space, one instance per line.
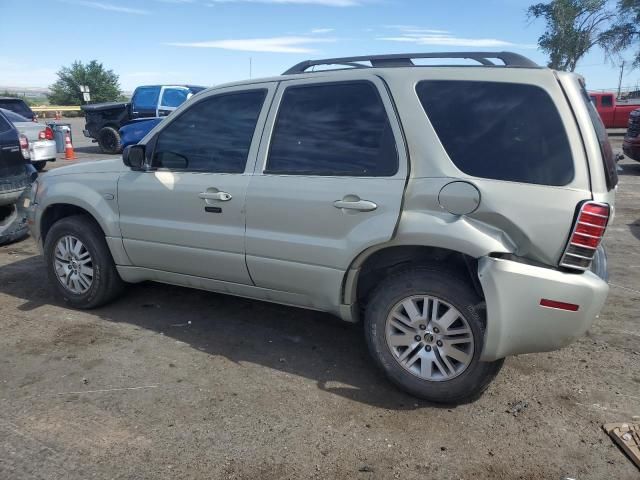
pixel 502 131
pixel 607 101
pixel 335 129
pixel 4 125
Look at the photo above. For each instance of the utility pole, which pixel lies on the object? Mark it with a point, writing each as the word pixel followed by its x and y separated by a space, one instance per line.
pixel 620 80
pixel 250 66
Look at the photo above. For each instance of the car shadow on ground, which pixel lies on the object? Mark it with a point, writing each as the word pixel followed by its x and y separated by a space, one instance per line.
pixel 629 169
pixel 88 149
pixel 313 345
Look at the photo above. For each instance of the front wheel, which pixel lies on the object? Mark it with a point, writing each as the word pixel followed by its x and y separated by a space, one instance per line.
pixel 425 331
pixel 79 263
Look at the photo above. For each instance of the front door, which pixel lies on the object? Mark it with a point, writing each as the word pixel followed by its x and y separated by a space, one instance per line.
pixel 328 184
pixel 186 213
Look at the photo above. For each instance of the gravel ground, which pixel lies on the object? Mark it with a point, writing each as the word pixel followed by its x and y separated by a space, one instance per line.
pixel 175 383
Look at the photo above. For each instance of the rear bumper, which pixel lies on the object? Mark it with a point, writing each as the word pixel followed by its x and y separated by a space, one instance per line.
pixel 517 323
pixel 43 150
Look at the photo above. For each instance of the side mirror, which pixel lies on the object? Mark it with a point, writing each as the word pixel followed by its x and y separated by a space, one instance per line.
pixel 133 156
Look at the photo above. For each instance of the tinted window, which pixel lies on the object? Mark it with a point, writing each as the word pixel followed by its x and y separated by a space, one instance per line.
pixel 594 100
pixel 607 101
pixel 213 135
pixel 4 125
pixel 335 129
pixel 17 106
pixel 503 131
pixel 608 158
pixel 14 117
pixel 146 98
pixel 174 97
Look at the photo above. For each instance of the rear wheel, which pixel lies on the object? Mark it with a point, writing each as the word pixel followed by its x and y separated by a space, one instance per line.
pixel 79 264
pixel 425 330
pixel 109 140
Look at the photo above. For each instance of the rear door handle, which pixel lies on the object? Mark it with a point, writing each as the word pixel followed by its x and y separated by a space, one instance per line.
pixel 222 196
pixel 359 205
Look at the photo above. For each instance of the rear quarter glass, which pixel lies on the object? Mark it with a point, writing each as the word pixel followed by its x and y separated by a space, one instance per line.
pixel 18 106
pixel 500 131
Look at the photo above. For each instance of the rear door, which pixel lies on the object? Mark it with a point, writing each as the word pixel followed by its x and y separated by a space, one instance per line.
pixel 607 110
pixel 515 139
pixel 328 184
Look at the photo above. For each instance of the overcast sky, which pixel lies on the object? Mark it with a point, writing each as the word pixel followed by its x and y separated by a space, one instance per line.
pixel 208 42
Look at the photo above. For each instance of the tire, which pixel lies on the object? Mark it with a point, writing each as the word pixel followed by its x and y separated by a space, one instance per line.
pixel 109 140
pixel 13 226
pixel 105 284
pixel 467 379
pixel 39 166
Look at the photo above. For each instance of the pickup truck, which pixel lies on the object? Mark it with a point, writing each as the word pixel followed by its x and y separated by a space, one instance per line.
pixel 103 120
pixel 612 113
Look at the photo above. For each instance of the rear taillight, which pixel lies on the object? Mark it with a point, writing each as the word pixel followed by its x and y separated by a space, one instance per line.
pixel 586 235
pixel 24 147
pixel 46 134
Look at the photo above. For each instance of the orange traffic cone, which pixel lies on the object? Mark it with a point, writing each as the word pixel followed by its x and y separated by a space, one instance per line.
pixel 69 154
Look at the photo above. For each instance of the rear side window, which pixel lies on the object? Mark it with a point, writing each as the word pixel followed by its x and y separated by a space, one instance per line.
pixel 174 97
pixel 608 158
pixel 338 129
pixel 607 101
pixel 17 106
pixel 502 131
pixel 213 135
pixel 14 117
pixel 4 125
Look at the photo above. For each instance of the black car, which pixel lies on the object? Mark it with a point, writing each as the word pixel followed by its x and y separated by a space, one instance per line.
pixel 18 106
pixel 16 175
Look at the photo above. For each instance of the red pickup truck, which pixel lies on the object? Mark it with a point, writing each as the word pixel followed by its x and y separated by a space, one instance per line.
pixel 613 114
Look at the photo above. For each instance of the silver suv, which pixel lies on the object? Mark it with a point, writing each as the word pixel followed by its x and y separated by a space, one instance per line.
pixel 456 209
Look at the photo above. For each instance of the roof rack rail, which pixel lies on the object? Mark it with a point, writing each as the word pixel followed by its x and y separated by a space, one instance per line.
pixel 510 59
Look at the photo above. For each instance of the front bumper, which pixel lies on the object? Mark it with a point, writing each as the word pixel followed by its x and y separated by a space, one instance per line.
pixel 517 323
pixel 42 150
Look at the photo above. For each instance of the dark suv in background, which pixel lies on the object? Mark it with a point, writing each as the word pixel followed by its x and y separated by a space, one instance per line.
pixel 18 106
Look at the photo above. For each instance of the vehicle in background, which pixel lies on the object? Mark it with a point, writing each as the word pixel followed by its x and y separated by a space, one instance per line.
pixel 18 106
pixel 103 120
pixel 631 143
pixel 612 113
pixel 134 131
pixel 366 192
pixel 42 146
pixel 16 174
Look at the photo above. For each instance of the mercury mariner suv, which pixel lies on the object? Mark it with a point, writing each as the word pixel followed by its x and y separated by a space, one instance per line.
pixel 457 209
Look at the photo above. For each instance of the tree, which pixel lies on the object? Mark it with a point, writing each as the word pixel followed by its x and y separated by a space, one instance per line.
pixel 103 84
pixel 625 31
pixel 573 27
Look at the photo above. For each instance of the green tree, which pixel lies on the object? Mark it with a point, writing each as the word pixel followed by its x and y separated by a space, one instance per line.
pixel 573 27
pixel 103 84
pixel 625 32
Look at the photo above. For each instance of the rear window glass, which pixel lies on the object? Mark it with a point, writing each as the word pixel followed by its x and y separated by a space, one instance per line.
pixel 14 117
pixel 608 159
pixel 4 125
pixel 502 131
pixel 17 106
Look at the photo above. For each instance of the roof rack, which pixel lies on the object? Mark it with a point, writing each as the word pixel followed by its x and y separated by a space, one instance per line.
pixel 510 59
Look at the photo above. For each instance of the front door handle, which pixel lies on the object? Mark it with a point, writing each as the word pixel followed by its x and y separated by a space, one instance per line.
pixel 221 196
pixel 359 205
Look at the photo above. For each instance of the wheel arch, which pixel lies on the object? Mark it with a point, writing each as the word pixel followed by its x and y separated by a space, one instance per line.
pixel 376 263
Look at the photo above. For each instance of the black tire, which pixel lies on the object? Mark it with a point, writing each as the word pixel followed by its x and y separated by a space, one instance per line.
pixel 109 140
pixel 437 282
pixel 39 166
pixel 106 284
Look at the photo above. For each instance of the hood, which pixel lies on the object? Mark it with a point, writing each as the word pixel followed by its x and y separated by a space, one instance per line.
pixel 112 165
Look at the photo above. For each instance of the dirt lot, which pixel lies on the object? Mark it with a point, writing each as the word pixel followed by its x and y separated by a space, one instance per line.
pixel 174 383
